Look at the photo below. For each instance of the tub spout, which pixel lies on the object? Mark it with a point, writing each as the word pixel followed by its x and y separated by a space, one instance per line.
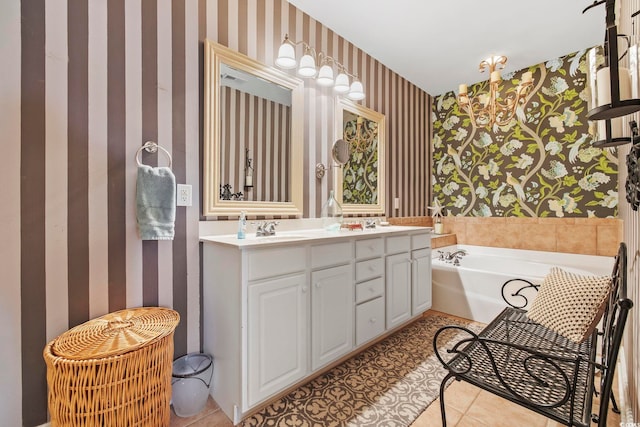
pixel 456 255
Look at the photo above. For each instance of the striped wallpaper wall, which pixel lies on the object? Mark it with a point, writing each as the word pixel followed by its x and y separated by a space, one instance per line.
pixel 84 84
pixel 631 235
pixel 266 135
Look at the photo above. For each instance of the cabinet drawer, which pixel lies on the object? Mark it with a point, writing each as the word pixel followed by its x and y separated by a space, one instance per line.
pixel 369 320
pixel 397 244
pixel 369 269
pixel 330 254
pixel 369 248
pixel 419 241
pixel 369 289
pixel 275 262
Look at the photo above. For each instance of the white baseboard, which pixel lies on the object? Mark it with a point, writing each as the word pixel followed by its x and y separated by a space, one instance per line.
pixel 626 413
pixel 45 425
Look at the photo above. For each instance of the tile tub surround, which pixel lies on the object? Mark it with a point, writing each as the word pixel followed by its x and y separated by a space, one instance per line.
pixel 588 236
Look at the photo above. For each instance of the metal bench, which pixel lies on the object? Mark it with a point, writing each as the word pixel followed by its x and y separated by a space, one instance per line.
pixel 529 364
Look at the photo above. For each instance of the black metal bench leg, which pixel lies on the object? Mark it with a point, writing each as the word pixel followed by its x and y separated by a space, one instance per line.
pixel 442 387
pixel 614 404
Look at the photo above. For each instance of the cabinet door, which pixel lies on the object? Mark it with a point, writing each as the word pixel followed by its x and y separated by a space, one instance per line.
pixel 332 295
pixel 398 289
pixel 421 278
pixel 277 335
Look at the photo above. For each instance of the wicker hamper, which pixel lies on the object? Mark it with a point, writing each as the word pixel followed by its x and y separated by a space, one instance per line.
pixel 114 370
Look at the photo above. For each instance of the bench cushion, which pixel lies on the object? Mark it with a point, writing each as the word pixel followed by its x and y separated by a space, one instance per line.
pixel 570 304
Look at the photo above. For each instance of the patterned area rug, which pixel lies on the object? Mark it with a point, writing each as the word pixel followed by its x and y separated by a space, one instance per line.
pixel 388 384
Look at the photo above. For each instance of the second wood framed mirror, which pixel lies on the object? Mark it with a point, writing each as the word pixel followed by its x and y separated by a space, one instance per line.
pixel 360 183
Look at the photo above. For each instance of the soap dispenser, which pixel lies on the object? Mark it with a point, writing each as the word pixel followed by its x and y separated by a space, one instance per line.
pixel 242 225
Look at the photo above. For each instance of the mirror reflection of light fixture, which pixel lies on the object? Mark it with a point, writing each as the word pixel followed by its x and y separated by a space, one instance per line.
pixel 325 77
pixel 486 110
pixel 613 100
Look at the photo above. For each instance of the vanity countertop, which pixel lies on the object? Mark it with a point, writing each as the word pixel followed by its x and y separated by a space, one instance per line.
pixel 306 236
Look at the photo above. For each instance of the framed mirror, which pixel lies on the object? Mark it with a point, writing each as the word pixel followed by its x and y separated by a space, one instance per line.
pixel 360 183
pixel 253 136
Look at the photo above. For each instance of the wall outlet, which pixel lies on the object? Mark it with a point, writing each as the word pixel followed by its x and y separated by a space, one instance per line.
pixel 184 195
pixel 396 203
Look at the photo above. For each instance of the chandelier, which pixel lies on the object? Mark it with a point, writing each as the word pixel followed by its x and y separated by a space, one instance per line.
pixel 486 109
pixel 324 77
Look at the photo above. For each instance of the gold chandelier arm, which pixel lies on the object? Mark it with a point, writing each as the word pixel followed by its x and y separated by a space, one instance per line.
pixel 492 63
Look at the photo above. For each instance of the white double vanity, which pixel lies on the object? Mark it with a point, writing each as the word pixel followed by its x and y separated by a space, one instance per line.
pixel 279 309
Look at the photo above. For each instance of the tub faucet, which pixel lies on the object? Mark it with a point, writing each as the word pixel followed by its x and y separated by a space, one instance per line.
pixel 455 255
pixel 266 228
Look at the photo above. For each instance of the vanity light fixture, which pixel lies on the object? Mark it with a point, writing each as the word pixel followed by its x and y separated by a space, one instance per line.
pixel 485 109
pixel 325 76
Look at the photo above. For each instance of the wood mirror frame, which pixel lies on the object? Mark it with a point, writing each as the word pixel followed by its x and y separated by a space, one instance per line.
pixel 376 207
pixel 212 205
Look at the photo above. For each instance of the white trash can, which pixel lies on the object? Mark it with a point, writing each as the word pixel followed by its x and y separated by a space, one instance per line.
pixel 191 378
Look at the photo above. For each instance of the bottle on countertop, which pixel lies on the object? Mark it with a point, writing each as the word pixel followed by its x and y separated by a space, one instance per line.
pixel 242 225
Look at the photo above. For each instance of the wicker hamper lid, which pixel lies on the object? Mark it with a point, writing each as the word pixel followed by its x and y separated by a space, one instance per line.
pixel 115 333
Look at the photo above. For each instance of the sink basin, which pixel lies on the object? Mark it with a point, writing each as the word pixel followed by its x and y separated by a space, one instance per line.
pixel 276 238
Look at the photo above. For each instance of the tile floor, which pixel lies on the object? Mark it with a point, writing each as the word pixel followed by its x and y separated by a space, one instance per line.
pixel 467 406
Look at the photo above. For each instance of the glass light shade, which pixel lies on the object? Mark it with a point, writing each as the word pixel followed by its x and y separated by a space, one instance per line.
pixel 342 83
pixel 286 56
pixel 307 66
pixel 325 76
pixel 356 92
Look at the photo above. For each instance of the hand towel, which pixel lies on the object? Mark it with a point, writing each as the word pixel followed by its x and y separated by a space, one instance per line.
pixel 155 203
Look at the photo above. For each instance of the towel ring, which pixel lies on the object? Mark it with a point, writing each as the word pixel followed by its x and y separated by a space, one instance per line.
pixel 152 147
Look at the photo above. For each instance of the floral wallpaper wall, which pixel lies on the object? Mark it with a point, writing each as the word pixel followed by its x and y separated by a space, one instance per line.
pixel 541 164
pixel 360 173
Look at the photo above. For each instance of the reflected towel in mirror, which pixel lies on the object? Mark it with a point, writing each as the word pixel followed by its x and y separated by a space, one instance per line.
pixel 155 203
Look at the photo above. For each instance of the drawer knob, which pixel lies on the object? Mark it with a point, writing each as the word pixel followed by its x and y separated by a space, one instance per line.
pixel 372 268
pixel 372 289
pixel 317 285
pixel 304 289
pixel 372 320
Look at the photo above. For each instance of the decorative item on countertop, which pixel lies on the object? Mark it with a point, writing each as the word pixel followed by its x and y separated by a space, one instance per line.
pixel 331 214
pixel 242 225
pixel 352 226
pixel 155 198
pixel 438 227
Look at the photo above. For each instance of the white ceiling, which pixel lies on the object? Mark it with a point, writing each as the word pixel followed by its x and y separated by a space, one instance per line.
pixel 438 45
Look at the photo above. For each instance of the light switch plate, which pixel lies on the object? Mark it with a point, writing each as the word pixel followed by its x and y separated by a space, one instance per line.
pixel 184 195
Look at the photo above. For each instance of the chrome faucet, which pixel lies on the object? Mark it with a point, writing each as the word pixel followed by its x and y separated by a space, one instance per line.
pixel 266 228
pixel 452 257
pixel 455 255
